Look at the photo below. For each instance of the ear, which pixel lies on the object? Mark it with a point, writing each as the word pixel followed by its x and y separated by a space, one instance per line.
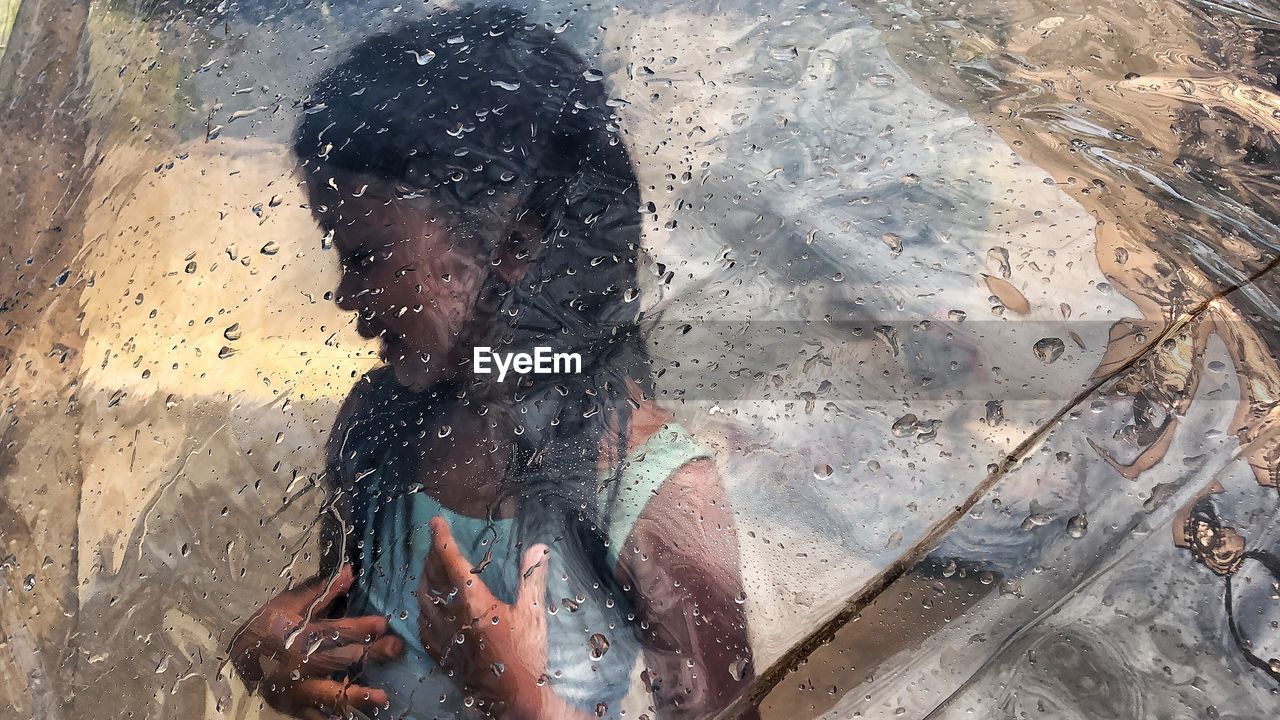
pixel 517 252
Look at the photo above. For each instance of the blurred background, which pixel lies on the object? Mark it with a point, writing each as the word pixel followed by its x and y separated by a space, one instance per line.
pixel 973 301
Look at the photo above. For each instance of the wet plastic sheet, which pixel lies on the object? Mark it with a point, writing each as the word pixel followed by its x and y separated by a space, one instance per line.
pixel 896 275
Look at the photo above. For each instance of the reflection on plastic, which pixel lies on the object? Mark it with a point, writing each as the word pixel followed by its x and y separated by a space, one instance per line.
pixel 829 268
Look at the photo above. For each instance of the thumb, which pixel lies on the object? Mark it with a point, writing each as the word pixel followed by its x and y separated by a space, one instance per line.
pixel 533 575
pixel 317 595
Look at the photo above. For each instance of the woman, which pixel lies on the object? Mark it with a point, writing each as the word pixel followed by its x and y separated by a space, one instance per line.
pixel 507 548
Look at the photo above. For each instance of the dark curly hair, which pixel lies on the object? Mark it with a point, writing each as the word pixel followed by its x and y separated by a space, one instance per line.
pixel 475 104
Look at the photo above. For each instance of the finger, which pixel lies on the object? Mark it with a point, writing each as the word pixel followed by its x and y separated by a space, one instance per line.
pixel 533 575
pixel 342 657
pixel 457 569
pixel 328 694
pixel 318 592
pixel 339 585
pixel 435 583
pixel 438 625
pixel 434 612
pixel 344 631
pixel 339 658
pixel 312 714
pixel 388 647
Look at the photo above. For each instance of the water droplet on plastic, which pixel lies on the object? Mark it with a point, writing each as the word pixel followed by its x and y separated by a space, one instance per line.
pixel 422 58
pixel 999 257
pixel 823 471
pixel 784 52
pixel 599 646
pixel 889 335
pixel 1049 349
pixel 1035 520
pixel 1078 525
pixel 905 425
pixel 995 412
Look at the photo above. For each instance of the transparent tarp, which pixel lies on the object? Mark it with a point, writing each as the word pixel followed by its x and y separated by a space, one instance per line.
pixel 961 314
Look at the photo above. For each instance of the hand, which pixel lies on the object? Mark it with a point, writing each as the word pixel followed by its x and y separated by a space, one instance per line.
pixel 289 648
pixel 502 653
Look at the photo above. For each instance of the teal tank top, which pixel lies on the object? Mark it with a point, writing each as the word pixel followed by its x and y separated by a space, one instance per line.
pixel 580 672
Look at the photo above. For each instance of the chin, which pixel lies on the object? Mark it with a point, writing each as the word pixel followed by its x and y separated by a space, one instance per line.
pixel 407 377
pixel 412 373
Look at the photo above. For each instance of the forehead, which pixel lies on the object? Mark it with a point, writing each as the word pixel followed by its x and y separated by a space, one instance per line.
pixel 341 194
pixel 342 198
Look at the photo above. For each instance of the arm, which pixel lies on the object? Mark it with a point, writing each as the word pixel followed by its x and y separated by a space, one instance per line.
pixel 291 648
pixel 682 557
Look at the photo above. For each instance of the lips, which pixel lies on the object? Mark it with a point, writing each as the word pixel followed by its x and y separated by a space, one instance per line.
pixel 369 328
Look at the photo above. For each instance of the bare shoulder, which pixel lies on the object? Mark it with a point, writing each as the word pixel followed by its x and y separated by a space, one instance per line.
pixel 695 483
pixel 685 533
pixel 689 514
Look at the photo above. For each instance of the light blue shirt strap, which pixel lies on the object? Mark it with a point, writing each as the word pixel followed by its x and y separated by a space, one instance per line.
pixel 644 470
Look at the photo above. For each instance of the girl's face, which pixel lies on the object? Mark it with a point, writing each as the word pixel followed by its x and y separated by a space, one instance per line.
pixel 410 273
